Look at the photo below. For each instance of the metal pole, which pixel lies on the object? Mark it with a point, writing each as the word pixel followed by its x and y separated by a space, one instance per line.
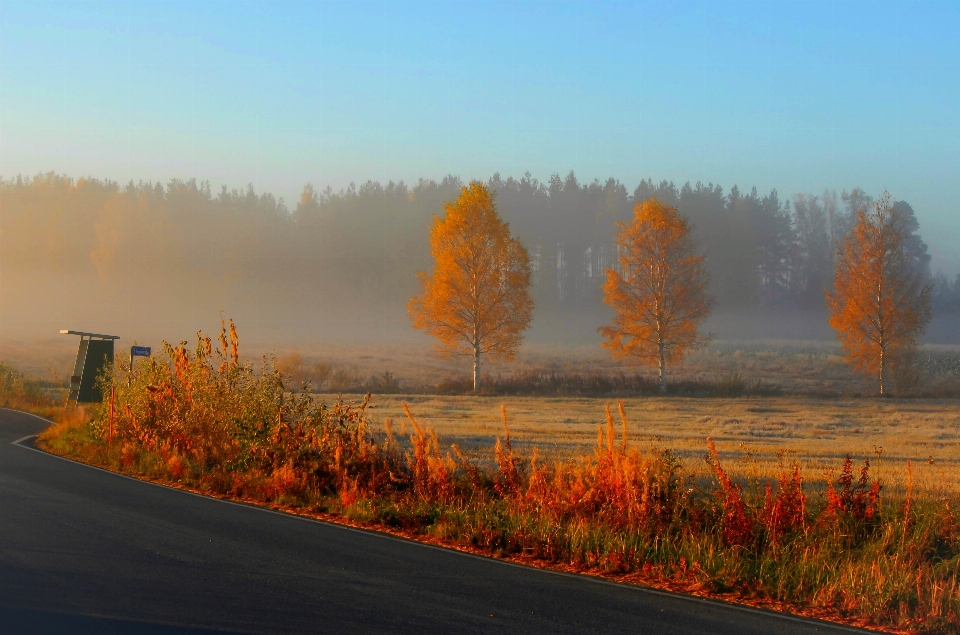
pixel 113 394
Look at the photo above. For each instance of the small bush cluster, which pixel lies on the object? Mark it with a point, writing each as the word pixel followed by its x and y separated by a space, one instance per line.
pixel 19 391
pixel 215 424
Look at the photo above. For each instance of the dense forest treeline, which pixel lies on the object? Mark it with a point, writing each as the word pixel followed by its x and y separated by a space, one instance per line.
pixel 366 243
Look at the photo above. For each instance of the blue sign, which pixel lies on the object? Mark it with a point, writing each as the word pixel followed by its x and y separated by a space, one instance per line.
pixel 139 351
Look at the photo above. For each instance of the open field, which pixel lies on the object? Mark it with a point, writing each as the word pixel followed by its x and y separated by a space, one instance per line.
pixel 792 366
pixel 805 367
pixel 752 432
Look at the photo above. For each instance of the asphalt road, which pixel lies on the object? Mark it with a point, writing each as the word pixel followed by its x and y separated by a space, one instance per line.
pixel 86 551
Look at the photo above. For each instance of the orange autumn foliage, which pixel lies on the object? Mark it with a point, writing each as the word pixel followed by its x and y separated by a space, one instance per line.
pixel 880 305
pixel 477 299
pixel 659 294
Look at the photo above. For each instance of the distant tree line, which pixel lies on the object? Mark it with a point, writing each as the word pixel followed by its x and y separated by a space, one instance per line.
pixel 365 243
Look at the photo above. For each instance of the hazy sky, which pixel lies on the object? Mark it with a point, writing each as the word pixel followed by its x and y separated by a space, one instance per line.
pixel 800 96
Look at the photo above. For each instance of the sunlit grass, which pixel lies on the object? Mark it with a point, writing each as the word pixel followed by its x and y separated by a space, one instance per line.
pixel 19 391
pixel 754 433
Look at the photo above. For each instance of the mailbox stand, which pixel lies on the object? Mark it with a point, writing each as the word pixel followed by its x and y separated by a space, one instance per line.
pixel 95 355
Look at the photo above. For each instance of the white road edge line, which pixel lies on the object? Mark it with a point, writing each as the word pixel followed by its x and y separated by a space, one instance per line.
pixel 407 541
pixel 29 414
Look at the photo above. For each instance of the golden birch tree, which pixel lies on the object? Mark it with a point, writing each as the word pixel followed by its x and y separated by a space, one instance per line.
pixel 477 298
pixel 880 305
pixel 659 294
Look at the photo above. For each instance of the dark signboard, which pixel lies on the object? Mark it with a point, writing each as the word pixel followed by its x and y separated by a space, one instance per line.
pixel 93 358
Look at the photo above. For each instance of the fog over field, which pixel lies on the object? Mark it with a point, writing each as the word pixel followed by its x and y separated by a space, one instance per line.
pixel 149 261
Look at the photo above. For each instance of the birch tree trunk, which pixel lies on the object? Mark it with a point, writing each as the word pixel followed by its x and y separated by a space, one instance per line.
pixel 476 366
pixel 663 371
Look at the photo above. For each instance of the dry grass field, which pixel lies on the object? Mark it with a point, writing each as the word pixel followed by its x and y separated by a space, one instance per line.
pixel 753 433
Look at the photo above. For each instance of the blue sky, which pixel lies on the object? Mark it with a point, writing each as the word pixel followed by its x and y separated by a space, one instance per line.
pixel 798 96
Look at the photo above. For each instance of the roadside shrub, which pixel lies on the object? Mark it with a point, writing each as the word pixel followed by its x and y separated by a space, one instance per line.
pixel 19 391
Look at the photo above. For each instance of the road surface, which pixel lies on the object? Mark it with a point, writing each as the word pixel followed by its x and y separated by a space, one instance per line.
pixel 86 551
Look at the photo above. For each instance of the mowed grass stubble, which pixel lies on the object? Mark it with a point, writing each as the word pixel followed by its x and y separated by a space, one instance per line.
pixel 754 432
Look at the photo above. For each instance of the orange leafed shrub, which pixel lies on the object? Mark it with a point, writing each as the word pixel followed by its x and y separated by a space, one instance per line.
pixel 784 509
pixel 209 412
pixel 432 474
pixel 617 484
pixel 508 474
pixel 177 466
pixel 858 500
pixel 736 524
